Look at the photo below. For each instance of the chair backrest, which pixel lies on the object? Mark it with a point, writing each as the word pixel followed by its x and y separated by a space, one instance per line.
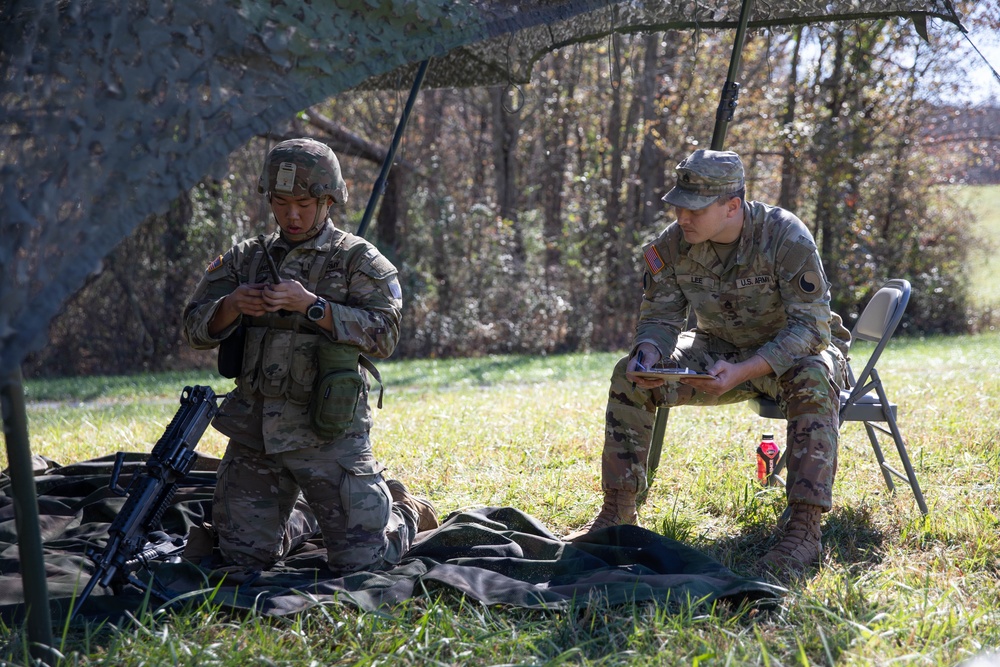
pixel 878 322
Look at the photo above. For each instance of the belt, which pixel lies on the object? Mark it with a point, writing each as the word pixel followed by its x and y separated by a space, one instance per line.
pixel 294 322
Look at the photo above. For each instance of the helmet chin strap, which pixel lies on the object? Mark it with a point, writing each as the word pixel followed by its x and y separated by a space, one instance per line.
pixel 321 213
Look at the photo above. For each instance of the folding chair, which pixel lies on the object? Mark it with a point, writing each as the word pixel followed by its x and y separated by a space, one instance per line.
pixel 877 324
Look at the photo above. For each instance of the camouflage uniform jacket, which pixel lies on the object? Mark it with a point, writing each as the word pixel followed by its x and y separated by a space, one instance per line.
pixel 269 408
pixel 774 297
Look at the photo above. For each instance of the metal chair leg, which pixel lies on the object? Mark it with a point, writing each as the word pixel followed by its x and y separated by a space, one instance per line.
pixel 911 476
pixel 879 456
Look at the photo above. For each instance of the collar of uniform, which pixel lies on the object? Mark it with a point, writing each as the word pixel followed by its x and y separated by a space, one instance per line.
pixel 746 237
pixel 321 241
pixel 702 253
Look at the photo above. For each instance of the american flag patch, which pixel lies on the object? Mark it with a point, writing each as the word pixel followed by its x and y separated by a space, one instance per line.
pixel 653 259
pixel 214 264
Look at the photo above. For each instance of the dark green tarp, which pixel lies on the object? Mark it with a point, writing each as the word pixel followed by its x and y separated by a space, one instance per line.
pixel 497 555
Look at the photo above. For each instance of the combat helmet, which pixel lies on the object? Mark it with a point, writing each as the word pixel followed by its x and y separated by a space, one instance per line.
pixel 302 168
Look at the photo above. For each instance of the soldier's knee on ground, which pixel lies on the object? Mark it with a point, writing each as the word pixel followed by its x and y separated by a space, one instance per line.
pixel 356 540
pixel 245 539
pixel 242 553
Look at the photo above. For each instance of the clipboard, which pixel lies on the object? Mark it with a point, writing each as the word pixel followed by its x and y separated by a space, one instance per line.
pixel 672 374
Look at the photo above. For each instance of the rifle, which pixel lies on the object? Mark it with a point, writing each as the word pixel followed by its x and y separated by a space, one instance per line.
pixel 149 495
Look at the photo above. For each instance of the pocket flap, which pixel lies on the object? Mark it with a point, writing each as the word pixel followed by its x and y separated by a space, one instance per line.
pixel 364 464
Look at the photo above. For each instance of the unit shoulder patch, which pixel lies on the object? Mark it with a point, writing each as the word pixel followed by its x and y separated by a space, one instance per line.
pixel 809 282
pixel 394 289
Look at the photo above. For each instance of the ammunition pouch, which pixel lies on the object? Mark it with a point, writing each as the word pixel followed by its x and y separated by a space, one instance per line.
pixel 338 389
pixel 280 363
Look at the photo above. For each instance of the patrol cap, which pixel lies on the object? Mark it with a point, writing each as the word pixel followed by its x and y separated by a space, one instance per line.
pixel 703 176
pixel 303 168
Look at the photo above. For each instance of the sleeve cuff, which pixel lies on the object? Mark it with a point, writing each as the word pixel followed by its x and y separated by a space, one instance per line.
pixel 201 338
pixel 778 362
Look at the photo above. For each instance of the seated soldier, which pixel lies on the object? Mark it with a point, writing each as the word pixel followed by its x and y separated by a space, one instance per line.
pixel 752 277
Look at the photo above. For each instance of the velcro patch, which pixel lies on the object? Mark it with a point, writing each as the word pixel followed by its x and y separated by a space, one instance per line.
pixel 214 264
pixel 284 182
pixel 377 266
pixel 653 259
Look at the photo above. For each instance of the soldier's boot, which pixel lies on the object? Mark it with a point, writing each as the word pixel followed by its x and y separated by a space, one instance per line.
pixel 201 542
pixel 619 509
pixel 422 508
pixel 801 543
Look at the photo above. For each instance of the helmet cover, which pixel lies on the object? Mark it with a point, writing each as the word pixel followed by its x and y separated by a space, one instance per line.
pixel 704 176
pixel 303 168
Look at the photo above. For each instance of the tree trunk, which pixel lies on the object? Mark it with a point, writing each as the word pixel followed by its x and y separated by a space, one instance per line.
pixel 790 178
pixel 557 118
pixel 651 176
pixel 506 124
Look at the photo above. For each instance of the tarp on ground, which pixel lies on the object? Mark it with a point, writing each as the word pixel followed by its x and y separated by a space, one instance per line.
pixel 497 555
pixel 109 109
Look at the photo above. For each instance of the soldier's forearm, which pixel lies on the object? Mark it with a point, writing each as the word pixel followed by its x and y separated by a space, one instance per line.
pixel 224 316
pixel 754 367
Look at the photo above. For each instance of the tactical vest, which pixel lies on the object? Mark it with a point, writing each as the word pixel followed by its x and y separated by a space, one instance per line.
pixel 290 357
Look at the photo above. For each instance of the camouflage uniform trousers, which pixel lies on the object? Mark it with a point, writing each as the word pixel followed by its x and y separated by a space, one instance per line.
pixel 256 492
pixel 808 393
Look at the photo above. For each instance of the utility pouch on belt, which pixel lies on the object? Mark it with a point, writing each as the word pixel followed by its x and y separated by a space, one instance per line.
pixel 231 353
pixel 338 388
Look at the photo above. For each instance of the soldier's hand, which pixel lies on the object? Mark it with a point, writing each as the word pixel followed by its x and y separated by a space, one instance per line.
pixel 728 375
pixel 714 387
pixel 248 299
pixel 646 356
pixel 288 295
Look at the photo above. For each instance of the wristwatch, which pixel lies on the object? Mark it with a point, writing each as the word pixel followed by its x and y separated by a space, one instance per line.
pixel 317 311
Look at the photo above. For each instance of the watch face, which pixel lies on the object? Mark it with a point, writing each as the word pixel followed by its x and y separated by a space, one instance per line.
pixel 317 310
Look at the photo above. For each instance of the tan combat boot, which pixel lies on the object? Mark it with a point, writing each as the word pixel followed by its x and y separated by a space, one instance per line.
pixel 426 514
pixel 618 509
pixel 800 546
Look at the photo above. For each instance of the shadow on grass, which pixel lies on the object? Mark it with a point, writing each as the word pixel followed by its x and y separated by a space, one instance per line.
pixel 851 536
pixel 497 369
pixel 851 539
pixel 483 371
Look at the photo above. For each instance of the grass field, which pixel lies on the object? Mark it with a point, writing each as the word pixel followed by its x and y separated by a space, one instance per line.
pixel 895 587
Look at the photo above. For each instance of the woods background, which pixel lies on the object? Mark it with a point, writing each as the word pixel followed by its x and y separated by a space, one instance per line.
pixel 515 213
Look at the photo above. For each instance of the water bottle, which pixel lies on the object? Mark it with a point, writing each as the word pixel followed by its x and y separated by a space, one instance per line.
pixel 767 458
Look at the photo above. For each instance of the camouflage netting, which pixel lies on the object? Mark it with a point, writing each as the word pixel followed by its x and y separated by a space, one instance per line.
pixel 111 108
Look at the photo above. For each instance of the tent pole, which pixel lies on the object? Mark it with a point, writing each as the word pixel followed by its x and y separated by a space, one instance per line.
pixel 379 186
pixel 29 536
pixel 731 89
